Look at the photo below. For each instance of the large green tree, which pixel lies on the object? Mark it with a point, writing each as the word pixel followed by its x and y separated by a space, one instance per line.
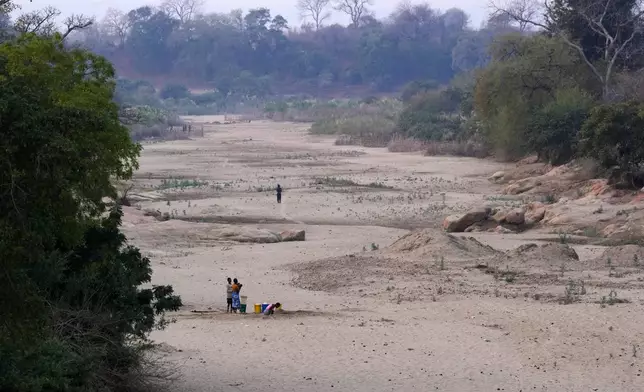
pixel 73 313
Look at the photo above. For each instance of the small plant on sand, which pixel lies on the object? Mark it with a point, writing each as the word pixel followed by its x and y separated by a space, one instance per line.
pixel 612 299
pixel 573 291
pixel 636 261
pixel 563 237
pixel 611 268
pixel 181 184
pixel 549 199
pixel 441 263
pixel 374 246
pixel 635 349
pixel 563 269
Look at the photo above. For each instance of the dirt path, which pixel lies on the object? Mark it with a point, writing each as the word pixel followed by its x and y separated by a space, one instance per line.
pixel 386 328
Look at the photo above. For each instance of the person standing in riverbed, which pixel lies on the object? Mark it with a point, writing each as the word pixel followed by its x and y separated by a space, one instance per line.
pixel 229 296
pixel 236 287
pixel 279 194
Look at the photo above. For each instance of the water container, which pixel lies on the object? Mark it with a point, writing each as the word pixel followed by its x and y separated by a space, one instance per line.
pixel 264 306
pixel 258 308
pixel 243 299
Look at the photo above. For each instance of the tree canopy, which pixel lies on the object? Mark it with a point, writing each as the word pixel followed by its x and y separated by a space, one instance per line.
pixel 74 313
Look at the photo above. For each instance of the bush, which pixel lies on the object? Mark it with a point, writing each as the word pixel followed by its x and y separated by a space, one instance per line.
pixel 417 87
pixel 174 91
pixel 613 135
pixel 552 130
pixel 403 144
pixel 458 149
pixel 431 116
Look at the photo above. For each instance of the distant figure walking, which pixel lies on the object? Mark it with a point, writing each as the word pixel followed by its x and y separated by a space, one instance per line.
pixel 229 296
pixel 236 303
pixel 279 194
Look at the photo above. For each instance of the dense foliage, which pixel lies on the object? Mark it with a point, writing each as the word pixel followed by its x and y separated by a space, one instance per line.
pixel 74 313
pixel 258 52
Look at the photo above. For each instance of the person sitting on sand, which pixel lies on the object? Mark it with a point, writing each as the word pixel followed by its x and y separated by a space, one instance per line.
pixel 236 287
pixel 229 296
pixel 279 193
pixel 270 309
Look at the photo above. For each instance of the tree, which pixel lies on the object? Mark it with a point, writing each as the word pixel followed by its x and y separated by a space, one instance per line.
pixel 183 10
pixel 355 9
pixel 316 10
pixel 74 314
pixel 614 26
pixel 117 24
pixel 524 75
pixel 613 135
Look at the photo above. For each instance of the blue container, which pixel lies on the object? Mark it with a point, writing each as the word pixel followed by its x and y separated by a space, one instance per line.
pixel 264 306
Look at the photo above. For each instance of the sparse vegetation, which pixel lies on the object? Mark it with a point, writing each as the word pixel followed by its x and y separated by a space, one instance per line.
pixel 573 291
pixel 173 183
pixel 612 299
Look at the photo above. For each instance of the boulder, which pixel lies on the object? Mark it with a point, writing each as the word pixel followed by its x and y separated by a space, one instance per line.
pixel 497 176
pixel 499 216
pixel 293 235
pixel 535 213
pixel 503 230
pixel 522 186
pixel 515 217
pixel 458 223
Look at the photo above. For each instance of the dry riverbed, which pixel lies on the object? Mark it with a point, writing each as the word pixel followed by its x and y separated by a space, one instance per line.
pixel 369 305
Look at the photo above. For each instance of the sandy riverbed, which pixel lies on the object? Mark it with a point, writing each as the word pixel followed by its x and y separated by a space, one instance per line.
pixel 359 318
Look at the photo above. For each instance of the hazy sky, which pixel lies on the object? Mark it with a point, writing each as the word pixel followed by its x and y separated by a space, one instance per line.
pixel 475 8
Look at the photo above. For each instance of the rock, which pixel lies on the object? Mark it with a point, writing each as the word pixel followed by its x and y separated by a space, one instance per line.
pixel 293 235
pixel 497 176
pixel 458 223
pixel 503 230
pixel 535 213
pixel 499 216
pixel 522 186
pixel 515 217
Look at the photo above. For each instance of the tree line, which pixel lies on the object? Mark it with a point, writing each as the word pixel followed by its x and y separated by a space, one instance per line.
pixel 259 50
pixel 568 84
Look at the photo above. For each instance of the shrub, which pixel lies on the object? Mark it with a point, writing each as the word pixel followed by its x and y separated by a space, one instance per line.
pixel 460 149
pixel 552 130
pixel 431 116
pixel 174 91
pixel 613 135
pixel 416 87
pixel 403 144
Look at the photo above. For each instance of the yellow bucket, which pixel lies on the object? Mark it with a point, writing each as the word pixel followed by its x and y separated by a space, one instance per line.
pixel 258 308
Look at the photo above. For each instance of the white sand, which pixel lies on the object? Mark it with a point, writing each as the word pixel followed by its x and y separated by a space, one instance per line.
pixel 389 330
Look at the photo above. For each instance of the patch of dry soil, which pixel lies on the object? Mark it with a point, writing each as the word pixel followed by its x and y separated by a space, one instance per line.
pixel 370 306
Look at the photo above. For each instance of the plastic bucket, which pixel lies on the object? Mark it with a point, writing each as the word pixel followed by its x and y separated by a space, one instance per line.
pixel 258 308
pixel 243 299
pixel 242 308
pixel 264 306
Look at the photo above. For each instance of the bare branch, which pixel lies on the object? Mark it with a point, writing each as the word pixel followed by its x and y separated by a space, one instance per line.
pixel 76 22
pixel 39 22
pixel 355 9
pixel 595 17
pixel 184 10
pixel 314 9
pixel 117 24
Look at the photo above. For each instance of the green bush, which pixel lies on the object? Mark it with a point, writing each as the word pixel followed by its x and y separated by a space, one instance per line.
pixel 174 91
pixel 431 116
pixel 613 135
pixel 552 130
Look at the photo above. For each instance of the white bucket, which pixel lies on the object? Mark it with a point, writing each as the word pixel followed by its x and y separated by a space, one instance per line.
pixel 243 299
